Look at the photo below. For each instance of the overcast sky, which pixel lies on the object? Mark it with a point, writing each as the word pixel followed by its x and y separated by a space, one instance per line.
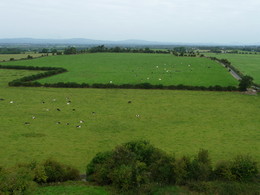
pixel 193 21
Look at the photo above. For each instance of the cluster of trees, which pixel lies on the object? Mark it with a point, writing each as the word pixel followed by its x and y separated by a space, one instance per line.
pixel 53 51
pixel 10 51
pixel 102 48
pixel 139 165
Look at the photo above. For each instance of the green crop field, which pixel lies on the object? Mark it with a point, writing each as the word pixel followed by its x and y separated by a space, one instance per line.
pixel 7 57
pixel 182 122
pixel 134 68
pixel 248 64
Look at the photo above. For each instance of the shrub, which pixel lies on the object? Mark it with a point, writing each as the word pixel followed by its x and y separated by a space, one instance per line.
pixel 131 166
pixel 223 171
pixel 18 180
pixel 244 168
pixel 57 172
pixel 200 168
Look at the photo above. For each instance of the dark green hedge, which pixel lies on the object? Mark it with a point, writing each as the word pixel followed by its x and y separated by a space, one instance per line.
pixel 30 81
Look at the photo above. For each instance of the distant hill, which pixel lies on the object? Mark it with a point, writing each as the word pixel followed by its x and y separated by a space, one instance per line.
pixel 130 42
pixel 78 41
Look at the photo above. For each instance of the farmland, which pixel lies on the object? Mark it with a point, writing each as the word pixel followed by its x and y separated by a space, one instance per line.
pixel 134 68
pixel 176 121
pixel 248 64
pixel 7 57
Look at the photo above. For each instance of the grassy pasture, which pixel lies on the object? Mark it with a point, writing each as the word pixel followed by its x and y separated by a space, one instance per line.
pixel 7 57
pixel 248 64
pixel 134 68
pixel 176 121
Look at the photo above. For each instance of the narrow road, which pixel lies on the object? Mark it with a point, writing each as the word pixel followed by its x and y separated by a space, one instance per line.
pixel 232 72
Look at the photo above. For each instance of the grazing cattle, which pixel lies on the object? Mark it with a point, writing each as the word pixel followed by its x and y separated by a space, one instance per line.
pixel 1 99
pixel 54 100
pixel 27 123
pixel 67 123
pixel 93 113
pixel 43 102
pixel 58 109
pixel 137 115
pixel 78 126
pixel 129 102
pixel 33 117
pixel 58 123
pixel 81 121
pixel 47 109
pixel 68 103
pixel 11 102
pixel 73 109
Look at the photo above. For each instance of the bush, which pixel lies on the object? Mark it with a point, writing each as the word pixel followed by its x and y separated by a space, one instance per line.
pixel 131 166
pixel 57 172
pixel 18 180
pixel 244 168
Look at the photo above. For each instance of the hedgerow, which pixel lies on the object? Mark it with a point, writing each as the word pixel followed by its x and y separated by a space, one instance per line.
pixel 30 81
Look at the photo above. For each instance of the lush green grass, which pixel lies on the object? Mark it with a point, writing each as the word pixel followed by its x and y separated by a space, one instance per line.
pixel 176 121
pixel 71 190
pixel 135 68
pixel 248 64
pixel 7 57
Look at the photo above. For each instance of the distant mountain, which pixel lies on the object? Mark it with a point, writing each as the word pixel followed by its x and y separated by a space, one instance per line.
pixel 78 41
pixel 130 42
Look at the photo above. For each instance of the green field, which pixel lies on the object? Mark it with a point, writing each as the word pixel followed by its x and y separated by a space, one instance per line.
pixel 182 122
pixel 7 57
pixel 134 68
pixel 71 190
pixel 248 64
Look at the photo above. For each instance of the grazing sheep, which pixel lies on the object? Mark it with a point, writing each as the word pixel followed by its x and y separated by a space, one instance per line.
pixel 137 115
pixel 78 126
pixel 160 79
pixel 33 117
pixel 58 109
pixel 110 81
pixel 68 103
pixel 81 121
pixel 58 123
pixel 47 109
pixel 54 100
pixel 11 102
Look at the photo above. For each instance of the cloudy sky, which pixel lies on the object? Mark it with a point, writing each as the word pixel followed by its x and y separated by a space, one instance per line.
pixel 189 21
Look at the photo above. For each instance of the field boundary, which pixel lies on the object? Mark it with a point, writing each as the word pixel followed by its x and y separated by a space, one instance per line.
pixel 30 81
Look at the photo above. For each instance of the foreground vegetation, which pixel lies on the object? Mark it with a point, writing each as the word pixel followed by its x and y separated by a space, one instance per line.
pixel 129 68
pixel 136 167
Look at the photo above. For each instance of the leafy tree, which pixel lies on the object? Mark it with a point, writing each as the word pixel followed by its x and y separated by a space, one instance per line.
pixel 245 82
